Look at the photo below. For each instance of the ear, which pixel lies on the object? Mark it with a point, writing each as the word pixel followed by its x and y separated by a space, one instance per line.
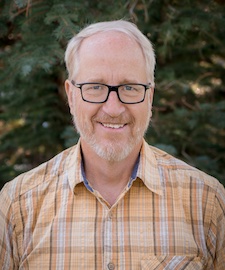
pixel 70 95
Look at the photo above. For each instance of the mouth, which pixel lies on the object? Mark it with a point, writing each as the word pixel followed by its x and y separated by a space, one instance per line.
pixel 113 126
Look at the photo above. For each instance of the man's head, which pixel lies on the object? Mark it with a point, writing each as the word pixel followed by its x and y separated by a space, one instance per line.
pixel 128 28
pixel 110 53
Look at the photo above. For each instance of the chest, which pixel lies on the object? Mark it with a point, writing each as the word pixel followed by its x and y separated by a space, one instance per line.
pixel 143 229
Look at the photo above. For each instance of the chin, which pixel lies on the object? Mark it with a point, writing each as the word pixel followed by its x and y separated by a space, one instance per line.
pixel 113 151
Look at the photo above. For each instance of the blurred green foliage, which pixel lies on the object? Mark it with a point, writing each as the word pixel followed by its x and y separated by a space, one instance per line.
pixel 189 103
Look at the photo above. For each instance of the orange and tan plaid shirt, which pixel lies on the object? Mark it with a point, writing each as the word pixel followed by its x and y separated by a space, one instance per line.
pixel 171 216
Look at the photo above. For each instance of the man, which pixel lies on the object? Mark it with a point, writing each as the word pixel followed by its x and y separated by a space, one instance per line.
pixel 112 201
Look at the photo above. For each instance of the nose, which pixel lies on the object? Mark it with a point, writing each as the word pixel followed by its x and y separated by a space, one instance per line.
pixel 113 106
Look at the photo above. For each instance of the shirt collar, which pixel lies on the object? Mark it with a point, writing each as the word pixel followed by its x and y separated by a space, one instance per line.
pixel 73 168
pixel 146 168
pixel 132 178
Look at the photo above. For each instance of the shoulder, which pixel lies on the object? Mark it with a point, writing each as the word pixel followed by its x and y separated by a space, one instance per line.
pixel 176 170
pixel 189 185
pixel 41 175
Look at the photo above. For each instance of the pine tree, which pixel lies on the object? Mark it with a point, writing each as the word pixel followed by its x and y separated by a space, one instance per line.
pixel 189 106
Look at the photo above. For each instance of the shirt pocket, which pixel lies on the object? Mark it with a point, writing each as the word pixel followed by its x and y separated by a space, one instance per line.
pixel 172 263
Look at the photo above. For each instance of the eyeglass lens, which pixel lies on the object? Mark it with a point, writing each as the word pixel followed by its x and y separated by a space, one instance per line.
pixel 131 93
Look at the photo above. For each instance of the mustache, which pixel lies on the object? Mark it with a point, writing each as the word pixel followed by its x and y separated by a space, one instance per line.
pixel 105 118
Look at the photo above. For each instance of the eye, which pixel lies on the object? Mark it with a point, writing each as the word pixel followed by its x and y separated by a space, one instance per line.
pixel 96 87
pixel 132 88
pixel 128 88
pixel 92 87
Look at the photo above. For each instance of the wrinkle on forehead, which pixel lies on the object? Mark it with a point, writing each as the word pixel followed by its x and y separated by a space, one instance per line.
pixel 111 41
pixel 108 49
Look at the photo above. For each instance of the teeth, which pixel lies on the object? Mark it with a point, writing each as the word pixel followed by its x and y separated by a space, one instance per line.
pixel 113 125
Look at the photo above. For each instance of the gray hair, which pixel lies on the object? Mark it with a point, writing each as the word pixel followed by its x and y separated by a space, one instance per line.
pixel 128 28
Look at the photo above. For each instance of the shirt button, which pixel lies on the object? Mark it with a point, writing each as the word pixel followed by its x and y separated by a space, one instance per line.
pixel 111 266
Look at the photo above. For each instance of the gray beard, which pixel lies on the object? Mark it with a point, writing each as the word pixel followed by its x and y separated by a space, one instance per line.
pixel 113 151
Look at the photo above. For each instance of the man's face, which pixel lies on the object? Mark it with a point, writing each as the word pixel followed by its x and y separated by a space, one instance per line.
pixel 112 129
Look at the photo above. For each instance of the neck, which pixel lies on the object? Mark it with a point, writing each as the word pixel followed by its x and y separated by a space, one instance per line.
pixel 108 178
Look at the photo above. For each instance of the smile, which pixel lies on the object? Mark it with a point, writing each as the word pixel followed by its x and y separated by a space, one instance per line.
pixel 115 126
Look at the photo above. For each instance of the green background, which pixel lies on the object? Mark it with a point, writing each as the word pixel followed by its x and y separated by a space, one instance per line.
pixel 189 103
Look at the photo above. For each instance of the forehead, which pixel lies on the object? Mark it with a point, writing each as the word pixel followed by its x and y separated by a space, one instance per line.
pixel 102 47
pixel 111 42
pixel 111 57
pixel 111 38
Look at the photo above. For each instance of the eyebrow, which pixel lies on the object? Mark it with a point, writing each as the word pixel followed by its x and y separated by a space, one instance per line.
pixel 125 81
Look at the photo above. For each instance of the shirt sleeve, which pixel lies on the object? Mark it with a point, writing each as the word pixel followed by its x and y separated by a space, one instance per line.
pixel 8 244
pixel 216 234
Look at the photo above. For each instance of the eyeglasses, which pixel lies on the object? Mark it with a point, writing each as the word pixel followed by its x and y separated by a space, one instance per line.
pixel 131 93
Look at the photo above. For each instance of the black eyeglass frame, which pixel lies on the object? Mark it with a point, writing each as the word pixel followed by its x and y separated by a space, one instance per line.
pixel 111 88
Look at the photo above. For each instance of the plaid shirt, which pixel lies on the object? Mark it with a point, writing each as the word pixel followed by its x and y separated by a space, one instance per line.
pixel 172 216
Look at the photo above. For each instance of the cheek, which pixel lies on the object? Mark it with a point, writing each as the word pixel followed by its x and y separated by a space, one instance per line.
pixel 83 113
pixel 76 105
pixel 144 116
pixel 72 103
pixel 78 113
pixel 143 112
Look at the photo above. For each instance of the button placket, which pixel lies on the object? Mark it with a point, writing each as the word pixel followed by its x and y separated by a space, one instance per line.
pixel 110 215
pixel 107 240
